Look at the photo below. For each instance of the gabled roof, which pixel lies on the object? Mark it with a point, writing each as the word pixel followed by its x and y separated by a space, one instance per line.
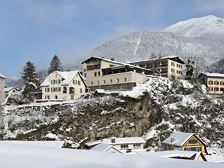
pixel 7 89
pixel 66 75
pixel 104 147
pixel 178 138
pixel 125 140
pixel 2 76
pixel 104 59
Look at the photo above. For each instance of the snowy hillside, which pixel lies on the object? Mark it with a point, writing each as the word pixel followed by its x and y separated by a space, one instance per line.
pixel 196 27
pixel 154 109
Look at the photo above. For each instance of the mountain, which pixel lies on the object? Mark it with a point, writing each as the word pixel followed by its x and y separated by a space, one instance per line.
pixel 196 27
pixel 199 38
pixel 218 66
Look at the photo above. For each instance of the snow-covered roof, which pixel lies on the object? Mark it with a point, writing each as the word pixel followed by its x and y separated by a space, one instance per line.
pixel 105 59
pixel 125 140
pixel 2 76
pixel 178 138
pixel 165 57
pixel 214 75
pixel 66 75
pixel 104 147
pixel 7 89
pixel 176 153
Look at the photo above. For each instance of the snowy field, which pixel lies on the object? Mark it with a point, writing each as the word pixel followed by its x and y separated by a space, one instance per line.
pixel 35 155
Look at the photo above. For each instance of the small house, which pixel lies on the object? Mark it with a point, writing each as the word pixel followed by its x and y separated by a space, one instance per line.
pixel 11 91
pixel 63 86
pixel 125 145
pixel 184 141
pixel 213 81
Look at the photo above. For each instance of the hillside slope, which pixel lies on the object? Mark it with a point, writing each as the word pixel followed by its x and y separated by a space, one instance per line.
pixel 196 27
pixel 152 110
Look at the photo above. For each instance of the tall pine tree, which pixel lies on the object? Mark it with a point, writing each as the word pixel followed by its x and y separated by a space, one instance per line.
pixel 55 65
pixel 31 81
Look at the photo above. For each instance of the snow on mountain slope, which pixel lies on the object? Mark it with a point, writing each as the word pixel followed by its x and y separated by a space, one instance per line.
pixel 196 27
pixel 140 45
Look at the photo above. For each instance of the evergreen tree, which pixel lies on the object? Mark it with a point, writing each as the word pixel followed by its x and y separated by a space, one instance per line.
pixel 31 81
pixel 55 65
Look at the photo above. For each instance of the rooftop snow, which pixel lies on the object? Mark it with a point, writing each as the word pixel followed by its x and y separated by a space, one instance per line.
pixel 2 76
pixel 178 138
pixel 214 75
pixel 26 156
pixel 175 153
pixel 103 147
pixel 67 76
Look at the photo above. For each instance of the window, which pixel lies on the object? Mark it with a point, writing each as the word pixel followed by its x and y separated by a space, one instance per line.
pixel 56 97
pixel 172 64
pixel 64 90
pixel 99 73
pixel 124 146
pixel 125 79
pixel 210 88
pixel 71 90
pixel 104 81
pixel 79 83
pixel 98 82
pixel 95 74
pixel 72 97
pixel 222 89
pixel 91 82
pixel 216 89
pixel 84 75
pixel 172 70
pixel 118 80
pixel 137 146
pixel 111 81
pixel 216 82
pixel 221 83
pixel 210 82
pixel 81 90
pixel 192 141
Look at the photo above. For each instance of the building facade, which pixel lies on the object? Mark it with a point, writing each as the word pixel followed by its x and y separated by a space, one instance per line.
pixel 101 73
pixel 2 88
pixel 170 66
pixel 213 81
pixel 63 86
pixel 125 145
pixel 184 141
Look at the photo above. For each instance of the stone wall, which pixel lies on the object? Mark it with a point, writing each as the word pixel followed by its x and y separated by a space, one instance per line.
pixel 121 86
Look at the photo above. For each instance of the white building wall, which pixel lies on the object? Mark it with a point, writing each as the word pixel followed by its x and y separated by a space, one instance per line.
pixel 2 93
pixel 175 69
pixel 48 93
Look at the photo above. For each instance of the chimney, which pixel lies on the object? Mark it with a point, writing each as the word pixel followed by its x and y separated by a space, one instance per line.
pixel 113 139
pixel 112 59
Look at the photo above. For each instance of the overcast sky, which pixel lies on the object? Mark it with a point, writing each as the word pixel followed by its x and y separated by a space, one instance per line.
pixel 36 30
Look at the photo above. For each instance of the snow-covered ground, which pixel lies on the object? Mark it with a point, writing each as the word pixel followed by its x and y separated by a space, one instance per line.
pixel 36 156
